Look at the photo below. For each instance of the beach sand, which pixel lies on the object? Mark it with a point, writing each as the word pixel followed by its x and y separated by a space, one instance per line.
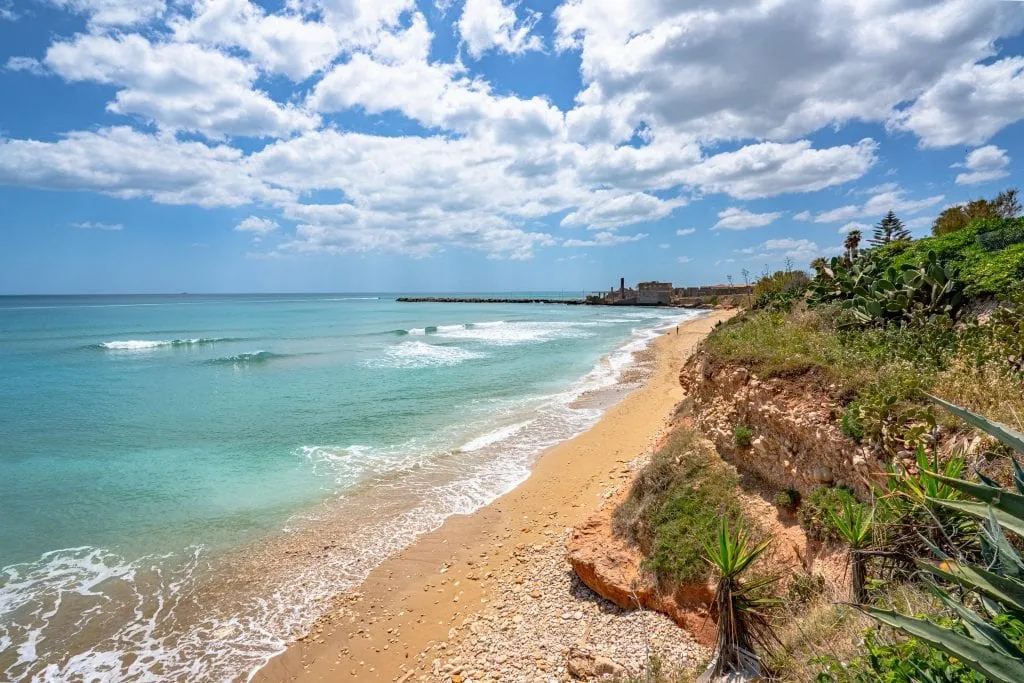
pixel 402 617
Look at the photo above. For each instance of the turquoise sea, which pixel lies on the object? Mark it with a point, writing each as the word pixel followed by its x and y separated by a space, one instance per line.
pixel 186 480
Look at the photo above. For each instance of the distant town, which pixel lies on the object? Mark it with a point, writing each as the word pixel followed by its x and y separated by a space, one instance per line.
pixel 644 294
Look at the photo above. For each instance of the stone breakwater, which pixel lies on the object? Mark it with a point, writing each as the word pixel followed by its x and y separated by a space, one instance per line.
pixel 472 300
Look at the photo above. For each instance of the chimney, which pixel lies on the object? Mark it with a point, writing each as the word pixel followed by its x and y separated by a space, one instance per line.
pixel 622 287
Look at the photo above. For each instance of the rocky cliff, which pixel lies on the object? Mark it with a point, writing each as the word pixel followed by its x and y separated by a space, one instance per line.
pixel 796 439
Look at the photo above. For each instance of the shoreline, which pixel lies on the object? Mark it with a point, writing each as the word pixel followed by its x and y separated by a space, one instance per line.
pixel 391 626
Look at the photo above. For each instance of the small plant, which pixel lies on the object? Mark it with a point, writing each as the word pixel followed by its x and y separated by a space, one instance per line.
pixel 854 527
pixel 743 436
pixel 805 587
pixel 850 424
pixel 815 512
pixel 743 626
pixel 788 500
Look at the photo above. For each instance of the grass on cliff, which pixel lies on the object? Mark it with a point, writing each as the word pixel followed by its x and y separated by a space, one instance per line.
pixel 677 501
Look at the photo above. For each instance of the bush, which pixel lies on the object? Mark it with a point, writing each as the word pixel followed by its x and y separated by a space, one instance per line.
pixel 788 500
pixel 742 436
pixel 850 424
pixel 780 290
pixel 824 502
pixel 902 660
pixel 676 501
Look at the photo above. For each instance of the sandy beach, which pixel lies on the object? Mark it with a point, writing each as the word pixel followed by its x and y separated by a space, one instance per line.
pixel 415 613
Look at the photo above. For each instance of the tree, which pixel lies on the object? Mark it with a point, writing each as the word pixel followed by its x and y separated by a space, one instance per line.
pixel 1005 205
pixel 819 264
pixel 852 245
pixel 889 229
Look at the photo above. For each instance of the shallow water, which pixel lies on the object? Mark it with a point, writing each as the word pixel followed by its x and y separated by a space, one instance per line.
pixel 187 480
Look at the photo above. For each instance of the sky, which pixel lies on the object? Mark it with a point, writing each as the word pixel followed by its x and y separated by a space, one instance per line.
pixel 485 145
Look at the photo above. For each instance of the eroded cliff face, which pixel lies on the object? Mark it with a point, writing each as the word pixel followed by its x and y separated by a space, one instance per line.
pixel 611 567
pixel 797 442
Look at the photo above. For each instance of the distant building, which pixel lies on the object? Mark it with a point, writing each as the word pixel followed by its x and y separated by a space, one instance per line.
pixel 654 293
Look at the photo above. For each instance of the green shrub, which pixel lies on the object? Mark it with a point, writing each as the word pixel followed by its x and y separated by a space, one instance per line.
pixel 788 500
pixel 850 424
pixel 816 511
pixel 906 661
pixel 742 436
pixel 675 503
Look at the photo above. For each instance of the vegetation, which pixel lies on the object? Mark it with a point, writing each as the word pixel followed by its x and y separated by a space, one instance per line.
pixel 1006 205
pixel 742 436
pixel 818 511
pixel 854 527
pixel 744 627
pixel 788 500
pixel 675 503
pixel 889 229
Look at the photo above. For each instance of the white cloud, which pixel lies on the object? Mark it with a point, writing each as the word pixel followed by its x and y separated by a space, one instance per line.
pixel 26 64
pixel 799 250
pixel 278 43
pixel 802 216
pixel 664 246
pixel 878 205
pixel 852 225
pixel 686 231
pixel 177 86
pixel 701 67
pixel 684 259
pixel 125 163
pixel 920 222
pixel 257 225
pixel 735 218
pixel 768 169
pixel 610 210
pixel 90 225
pixel 605 239
pixel 969 105
pixel 7 12
pixel 493 24
pixel 984 164
pixel 115 12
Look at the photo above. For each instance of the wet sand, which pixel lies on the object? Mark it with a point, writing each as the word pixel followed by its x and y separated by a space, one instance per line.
pixel 392 626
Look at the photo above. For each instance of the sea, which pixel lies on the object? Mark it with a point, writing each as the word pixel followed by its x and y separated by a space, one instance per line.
pixel 187 481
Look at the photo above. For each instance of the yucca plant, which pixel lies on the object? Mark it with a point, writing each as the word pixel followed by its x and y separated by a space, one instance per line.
pixel 854 527
pixel 743 625
pixel 998 586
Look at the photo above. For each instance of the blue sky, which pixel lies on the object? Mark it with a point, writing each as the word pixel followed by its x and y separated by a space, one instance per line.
pixel 484 145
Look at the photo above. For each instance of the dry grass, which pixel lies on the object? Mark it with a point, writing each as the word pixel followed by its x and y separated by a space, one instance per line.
pixel 827 628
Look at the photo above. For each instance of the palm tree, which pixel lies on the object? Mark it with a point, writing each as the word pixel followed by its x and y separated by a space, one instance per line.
pixel 852 245
pixel 742 623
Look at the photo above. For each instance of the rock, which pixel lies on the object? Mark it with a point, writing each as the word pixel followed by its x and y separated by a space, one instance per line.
pixel 584 664
pixel 610 567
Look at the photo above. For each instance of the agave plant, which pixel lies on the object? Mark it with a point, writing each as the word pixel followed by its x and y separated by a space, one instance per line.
pixel 743 625
pixel 854 526
pixel 998 585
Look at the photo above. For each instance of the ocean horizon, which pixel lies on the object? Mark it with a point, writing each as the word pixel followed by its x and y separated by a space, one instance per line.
pixel 188 483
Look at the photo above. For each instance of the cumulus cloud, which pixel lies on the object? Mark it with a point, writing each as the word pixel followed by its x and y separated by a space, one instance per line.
pixel 701 68
pixel 735 218
pixel 983 165
pixel 493 25
pixel 799 250
pixel 686 231
pixel 611 210
pixel 605 239
pixel 802 216
pixel 256 225
pixel 177 86
pixel 684 259
pixel 968 105
pixel 115 12
pixel 853 225
pixel 879 204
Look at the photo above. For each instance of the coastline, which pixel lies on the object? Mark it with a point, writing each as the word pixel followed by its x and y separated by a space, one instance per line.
pixel 392 625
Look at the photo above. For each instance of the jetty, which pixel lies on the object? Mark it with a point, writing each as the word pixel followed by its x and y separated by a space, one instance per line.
pixel 473 300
